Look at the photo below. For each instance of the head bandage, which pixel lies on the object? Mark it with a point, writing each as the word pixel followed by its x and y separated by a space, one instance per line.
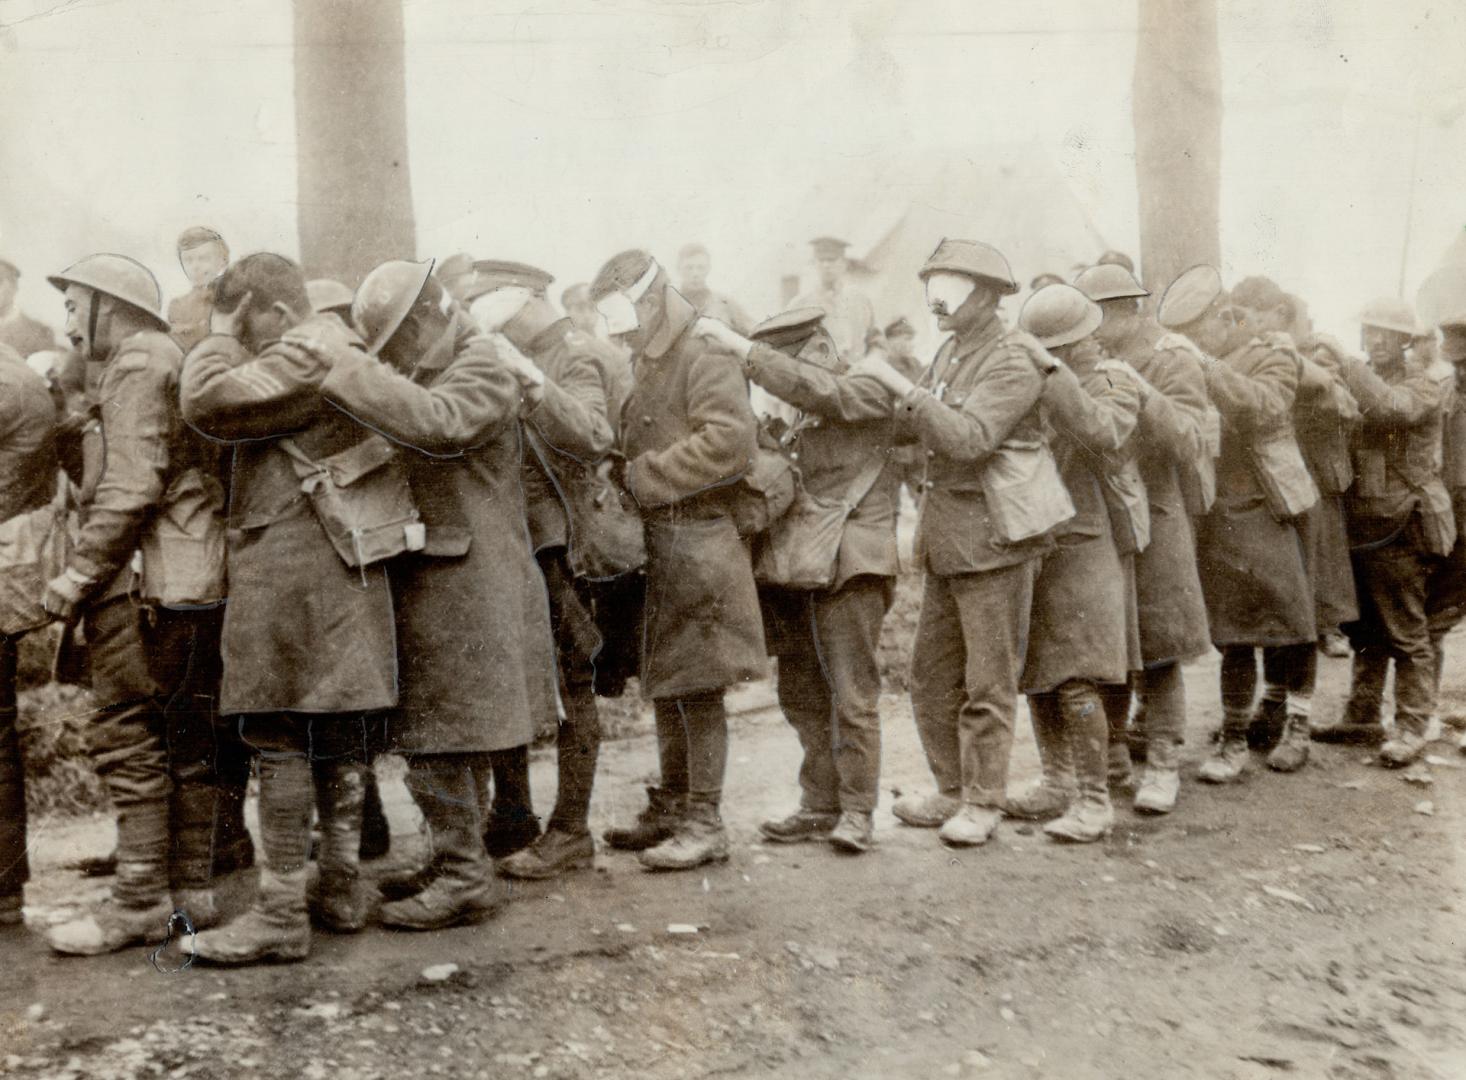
pixel 494 309
pixel 946 292
pixel 619 308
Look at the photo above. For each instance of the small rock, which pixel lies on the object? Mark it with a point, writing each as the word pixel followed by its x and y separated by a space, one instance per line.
pixel 976 1059
pixel 1221 931
pixel 954 1069
pixel 1352 785
pixel 626 928
pixel 1417 774
pixel 681 928
pixel 36 1012
pixel 1426 807
pixel 1310 849
pixel 1291 897
pixel 1441 762
pixel 321 1010
pixel 825 958
pixel 926 1016
pixel 1007 1014
pixel 439 972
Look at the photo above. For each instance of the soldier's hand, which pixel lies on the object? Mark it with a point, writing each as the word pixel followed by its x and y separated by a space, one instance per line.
pixel 1313 377
pixel 63 596
pixel 525 371
pixel 723 335
pixel 227 323
pixel 876 364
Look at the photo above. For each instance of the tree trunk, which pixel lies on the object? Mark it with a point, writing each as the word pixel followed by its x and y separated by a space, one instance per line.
pixel 351 137
pixel 1178 137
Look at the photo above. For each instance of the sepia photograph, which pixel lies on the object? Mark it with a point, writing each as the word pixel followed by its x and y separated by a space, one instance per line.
pixel 675 539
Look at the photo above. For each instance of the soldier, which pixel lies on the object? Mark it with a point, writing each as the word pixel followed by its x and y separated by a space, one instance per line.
pixel 203 255
pixel 567 435
pixel 900 337
pixel 1401 526
pixel 455 274
pixel 693 265
pixel 27 483
pixel 824 622
pixel 309 649
pixel 453 402
pixel 1172 611
pixel 993 497
pixel 1081 630
pixel 1321 418
pixel 1249 552
pixel 145 577
pixel 1446 592
pixel 687 431
pixel 849 317
pixel 17 329
pixel 1117 258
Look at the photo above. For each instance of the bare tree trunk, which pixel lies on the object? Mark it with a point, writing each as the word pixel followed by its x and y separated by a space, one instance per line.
pixel 351 137
pixel 1178 137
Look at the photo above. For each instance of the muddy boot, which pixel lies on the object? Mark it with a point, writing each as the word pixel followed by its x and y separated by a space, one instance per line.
pixel 1227 762
pixel 1089 817
pixel 200 907
pixel 1267 723
pixel 656 822
pixel 112 926
pixel 970 826
pixel 926 811
pixel 276 929
pixel 554 853
pixel 1051 794
pixel 341 900
pixel 854 833
pixel 1404 748
pixel 1361 724
pixel 464 889
pixel 1160 780
pixel 1335 646
pixel 799 826
pixel 1291 753
pixel 699 839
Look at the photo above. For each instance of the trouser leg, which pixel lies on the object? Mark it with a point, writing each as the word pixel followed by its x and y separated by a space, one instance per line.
pixel 577 751
pixel 446 788
pixel 1163 697
pixel 848 630
pixel 705 725
pixel 14 865
pixel 1115 699
pixel 1239 688
pixel 994 608
pixel 804 697
pixel 671 745
pixel 127 752
pixel 1087 730
pixel 938 688
pixel 511 784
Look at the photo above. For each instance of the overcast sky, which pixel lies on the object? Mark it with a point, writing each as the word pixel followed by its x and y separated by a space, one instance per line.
pixel 560 132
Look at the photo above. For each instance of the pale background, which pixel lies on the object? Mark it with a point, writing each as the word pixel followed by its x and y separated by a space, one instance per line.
pixel 561 132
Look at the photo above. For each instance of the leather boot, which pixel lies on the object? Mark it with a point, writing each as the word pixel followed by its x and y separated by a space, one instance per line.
pixel 1090 816
pixel 1051 794
pixel 698 839
pixel 341 900
pixel 556 852
pixel 799 826
pixel 930 811
pixel 655 823
pixel 1361 724
pixel 111 926
pixel 275 929
pixel 854 833
pixel 1291 752
pixel 1160 780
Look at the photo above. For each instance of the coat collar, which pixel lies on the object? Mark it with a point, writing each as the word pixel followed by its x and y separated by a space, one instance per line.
pixel 677 318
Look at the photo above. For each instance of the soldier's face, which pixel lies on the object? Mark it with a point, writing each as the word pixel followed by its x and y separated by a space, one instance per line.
pixel 1383 346
pixel 694 271
pixel 1453 343
pixel 203 264
pixel 1118 317
pixel 78 329
pixel 902 345
pixel 1262 320
pixel 832 270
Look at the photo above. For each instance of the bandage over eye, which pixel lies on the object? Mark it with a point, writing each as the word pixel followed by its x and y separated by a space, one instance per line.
pixel 493 309
pixel 945 292
pixel 619 308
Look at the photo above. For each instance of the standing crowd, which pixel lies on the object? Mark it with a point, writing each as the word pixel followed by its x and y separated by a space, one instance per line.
pixel 287 527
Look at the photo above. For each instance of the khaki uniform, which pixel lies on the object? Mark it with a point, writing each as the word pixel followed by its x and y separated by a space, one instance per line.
pixel 1402 527
pixel 826 640
pixel 979 398
pixel 188 317
pixel 25 335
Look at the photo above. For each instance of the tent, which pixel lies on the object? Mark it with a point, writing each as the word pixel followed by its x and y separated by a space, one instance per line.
pixel 896 208
pixel 1442 295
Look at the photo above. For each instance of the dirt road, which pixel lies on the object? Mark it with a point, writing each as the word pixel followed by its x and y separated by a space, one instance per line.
pixel 1306 926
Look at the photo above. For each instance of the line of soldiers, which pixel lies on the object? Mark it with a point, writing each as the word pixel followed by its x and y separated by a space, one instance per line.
pixel 435 521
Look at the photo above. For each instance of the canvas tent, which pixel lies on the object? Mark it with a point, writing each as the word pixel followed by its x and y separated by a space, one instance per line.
pixel 894 210
pixel 1442 295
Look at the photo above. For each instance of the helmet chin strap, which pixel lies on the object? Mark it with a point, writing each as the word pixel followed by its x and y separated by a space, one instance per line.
pixel 92 315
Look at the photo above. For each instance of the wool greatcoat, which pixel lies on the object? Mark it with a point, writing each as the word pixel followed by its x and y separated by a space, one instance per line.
pixel 1324 419
pixel 303 632
pixel 1252 565
pixel 473 622
pixel 688 433
pixel 1078 628
pixel 1170 434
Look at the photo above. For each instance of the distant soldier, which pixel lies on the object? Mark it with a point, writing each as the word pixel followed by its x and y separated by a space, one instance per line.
pixel 687 432
pixel 17 329
pixel 1402 527
pixel 849 317
pixel 203 254
pixel 693 266
pixel 1171 608
pixel 1249 551
pixel 993 498
pixel 581 312
pixel 1117 258
pixel 455 274
pixel 146 579
pixel 27 483
pixel 824 622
